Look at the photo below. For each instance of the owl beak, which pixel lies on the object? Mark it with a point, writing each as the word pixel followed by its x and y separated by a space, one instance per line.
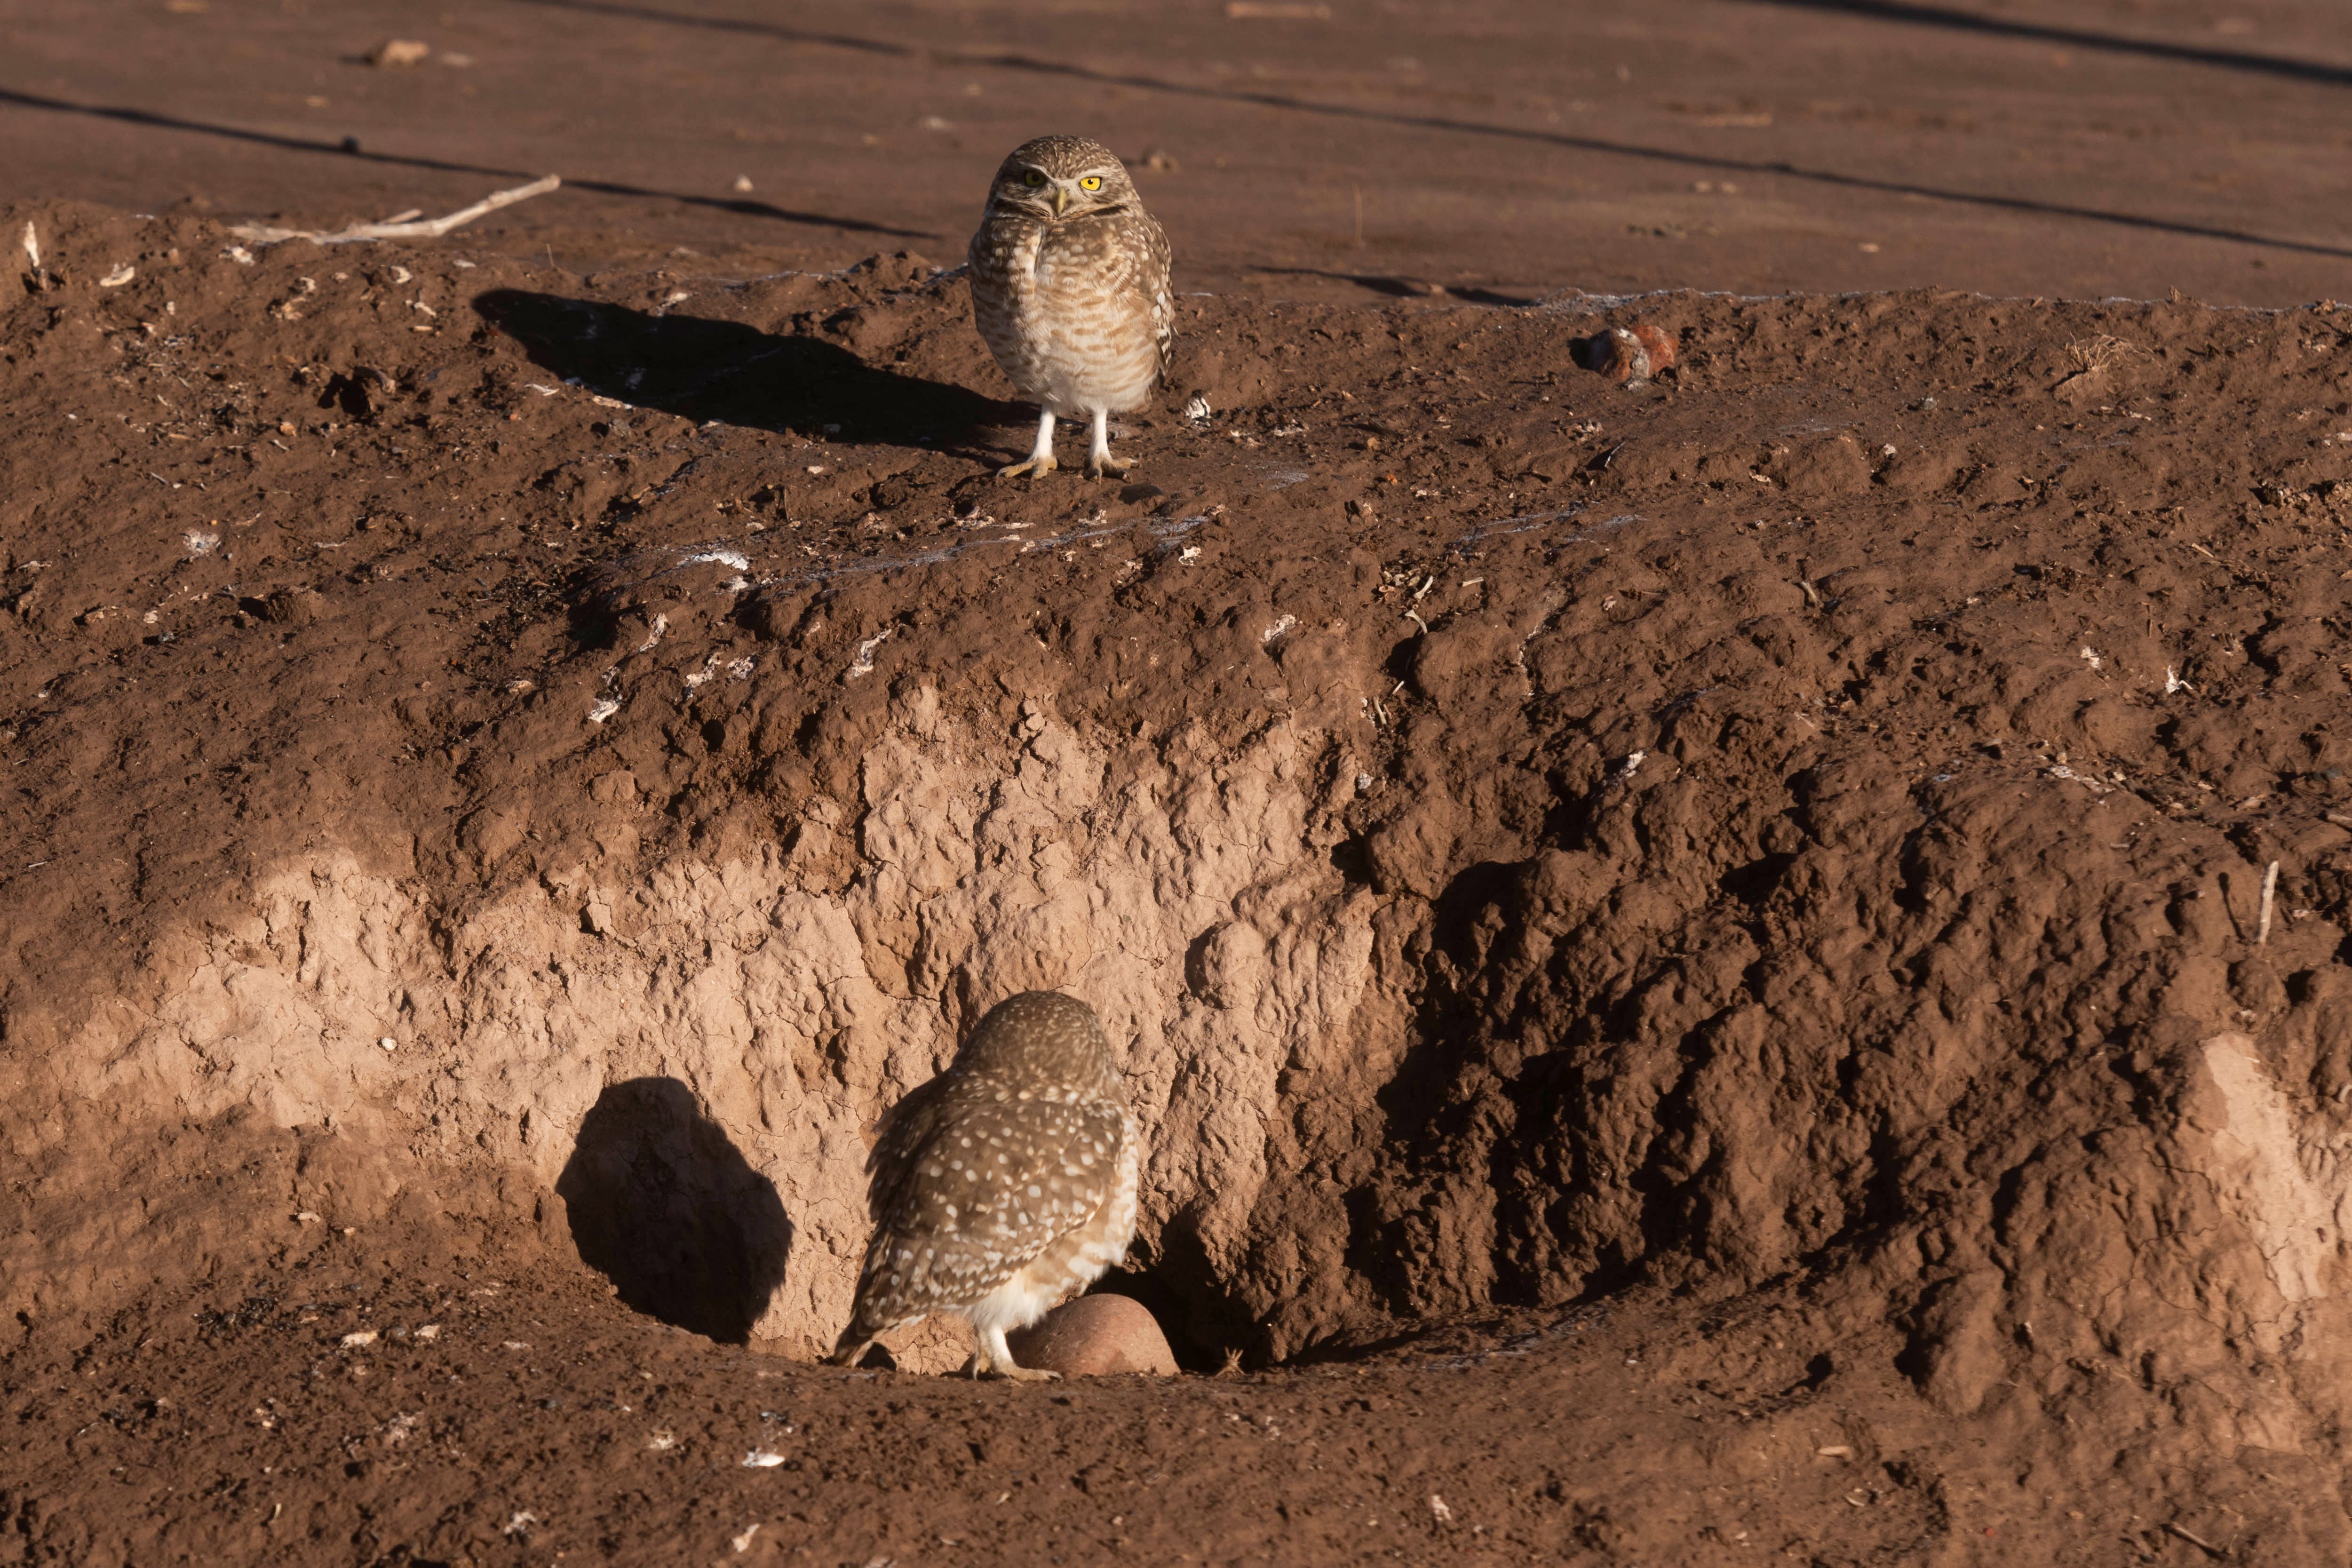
pixel 1061 200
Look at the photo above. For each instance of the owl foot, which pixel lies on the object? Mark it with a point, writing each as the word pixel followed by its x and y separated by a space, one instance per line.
pixel 1041 456
pixel 992 1357
pixel 1098 459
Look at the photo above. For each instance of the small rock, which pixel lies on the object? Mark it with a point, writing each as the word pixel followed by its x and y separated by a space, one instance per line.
pixel 399 52
pixel 1095 1335
pixel 1630 356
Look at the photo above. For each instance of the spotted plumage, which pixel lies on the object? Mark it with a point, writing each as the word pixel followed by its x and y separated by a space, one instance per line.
pixel 1069 288
pixel 1002 1185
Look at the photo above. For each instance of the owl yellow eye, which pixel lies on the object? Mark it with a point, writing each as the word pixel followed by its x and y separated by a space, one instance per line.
pixel 1033 179
pixel 1091 183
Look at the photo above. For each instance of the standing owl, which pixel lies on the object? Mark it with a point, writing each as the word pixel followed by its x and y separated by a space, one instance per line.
pixel 1002 1185
pixel 1069 287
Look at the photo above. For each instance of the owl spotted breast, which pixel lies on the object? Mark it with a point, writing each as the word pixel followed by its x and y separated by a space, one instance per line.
pixel 1069 288
pixel 1002 1185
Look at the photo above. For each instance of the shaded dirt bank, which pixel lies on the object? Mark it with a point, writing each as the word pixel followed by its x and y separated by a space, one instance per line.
pixel 518 768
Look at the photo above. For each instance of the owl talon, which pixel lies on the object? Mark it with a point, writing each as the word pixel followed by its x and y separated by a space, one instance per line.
pixel 1043 464
pixel 1025 1373
pixel 1116 468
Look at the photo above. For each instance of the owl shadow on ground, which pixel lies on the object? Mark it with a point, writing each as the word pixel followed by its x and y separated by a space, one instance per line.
pixel 702 369
pixel 663 1205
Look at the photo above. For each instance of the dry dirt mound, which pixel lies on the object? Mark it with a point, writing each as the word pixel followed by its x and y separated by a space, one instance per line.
pixel 555 758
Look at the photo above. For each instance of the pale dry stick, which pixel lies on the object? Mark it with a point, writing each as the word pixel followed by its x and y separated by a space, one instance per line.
pixel 2197 1541
pixel 2270 892
pixel 430 228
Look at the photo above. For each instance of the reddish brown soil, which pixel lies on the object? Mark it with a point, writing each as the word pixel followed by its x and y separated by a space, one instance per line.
pixel 1817 1082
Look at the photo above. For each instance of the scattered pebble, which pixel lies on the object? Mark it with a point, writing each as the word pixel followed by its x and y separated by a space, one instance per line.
pixel 363 1337
pixel 762 1459
pixel 393 53
pixel 863 663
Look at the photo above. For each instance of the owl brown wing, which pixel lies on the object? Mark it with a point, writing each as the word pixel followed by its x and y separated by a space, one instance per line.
pixel 1157 258
pixel 905 1129
pixel 993 1184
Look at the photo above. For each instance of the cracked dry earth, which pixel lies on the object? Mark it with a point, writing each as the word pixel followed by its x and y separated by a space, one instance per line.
pixel 1747 968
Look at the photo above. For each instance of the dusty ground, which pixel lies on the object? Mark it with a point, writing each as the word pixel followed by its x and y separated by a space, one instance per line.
pixel 2084 148
pixel 1694 958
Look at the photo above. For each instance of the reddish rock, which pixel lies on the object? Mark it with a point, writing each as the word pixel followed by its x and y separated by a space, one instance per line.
pixel 1630 354
pixel 1094 1335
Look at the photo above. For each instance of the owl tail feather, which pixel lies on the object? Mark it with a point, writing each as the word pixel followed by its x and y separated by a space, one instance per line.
pixel 849 1347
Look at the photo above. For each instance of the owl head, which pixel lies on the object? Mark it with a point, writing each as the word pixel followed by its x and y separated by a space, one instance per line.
pixel 1054 178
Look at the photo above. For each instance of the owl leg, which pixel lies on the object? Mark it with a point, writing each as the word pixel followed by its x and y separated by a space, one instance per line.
pixel 1041 456
pixel 992 1357
pixel 1100 461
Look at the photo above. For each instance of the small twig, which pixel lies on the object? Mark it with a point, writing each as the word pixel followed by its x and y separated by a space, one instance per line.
pixel 2270 892
pixel 430 228
pixel 2197 1541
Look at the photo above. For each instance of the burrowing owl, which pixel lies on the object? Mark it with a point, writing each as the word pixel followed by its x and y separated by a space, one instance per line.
pixel 1069 285
pixel 1001 1185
